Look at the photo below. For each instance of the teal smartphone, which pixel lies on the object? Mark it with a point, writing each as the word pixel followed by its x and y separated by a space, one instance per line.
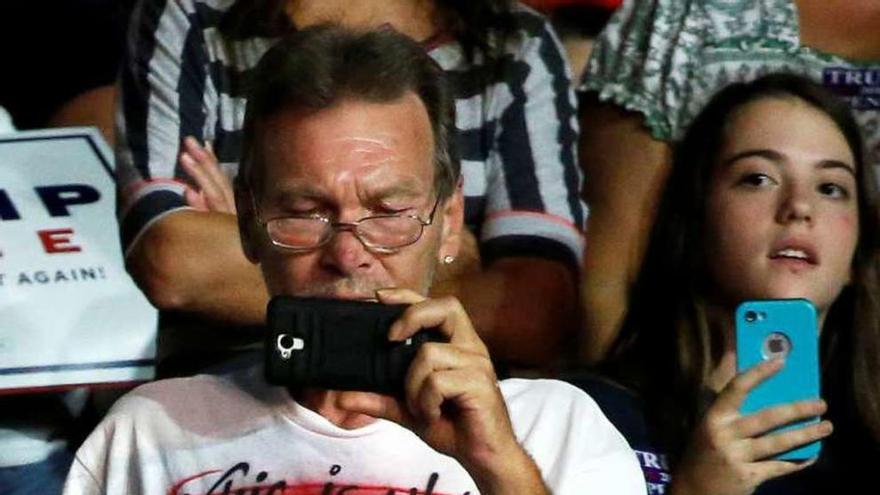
pixel 787 329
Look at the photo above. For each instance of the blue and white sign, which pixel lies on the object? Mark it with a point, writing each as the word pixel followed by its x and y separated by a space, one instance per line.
pixel 69 312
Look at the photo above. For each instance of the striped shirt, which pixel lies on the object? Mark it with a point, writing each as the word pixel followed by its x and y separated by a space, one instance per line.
pixel 517 132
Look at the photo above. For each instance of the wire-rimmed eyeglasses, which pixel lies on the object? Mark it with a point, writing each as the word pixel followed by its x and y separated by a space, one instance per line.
pixel 379 233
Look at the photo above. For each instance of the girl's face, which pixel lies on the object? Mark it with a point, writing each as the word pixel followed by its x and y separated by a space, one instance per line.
pixel 782 214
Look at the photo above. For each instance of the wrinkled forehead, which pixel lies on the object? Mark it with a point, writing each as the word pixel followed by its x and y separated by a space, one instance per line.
pixel 373 144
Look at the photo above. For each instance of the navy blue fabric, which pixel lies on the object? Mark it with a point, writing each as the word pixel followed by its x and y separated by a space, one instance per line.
pixel 39 478
pixel 627 413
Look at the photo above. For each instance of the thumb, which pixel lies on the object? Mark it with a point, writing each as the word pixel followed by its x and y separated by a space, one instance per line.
pixel 375 405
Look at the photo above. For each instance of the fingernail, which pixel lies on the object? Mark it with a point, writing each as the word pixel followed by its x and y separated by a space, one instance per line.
pixel 393 332
pixel 186 159
pixel 386 293
pixel 826 427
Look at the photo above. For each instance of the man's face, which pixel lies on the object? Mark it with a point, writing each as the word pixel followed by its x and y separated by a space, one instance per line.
pixel 353 160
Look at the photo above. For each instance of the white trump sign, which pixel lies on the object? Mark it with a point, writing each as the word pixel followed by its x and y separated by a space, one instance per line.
pixel 69 312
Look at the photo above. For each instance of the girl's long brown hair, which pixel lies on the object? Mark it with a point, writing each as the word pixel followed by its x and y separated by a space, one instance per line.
pixel 666 350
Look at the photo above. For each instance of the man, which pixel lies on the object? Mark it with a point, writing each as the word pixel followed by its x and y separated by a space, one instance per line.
pixel 350 189
pixel 183 82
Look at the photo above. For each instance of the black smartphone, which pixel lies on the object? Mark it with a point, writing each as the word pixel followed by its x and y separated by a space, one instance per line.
pixel 338 344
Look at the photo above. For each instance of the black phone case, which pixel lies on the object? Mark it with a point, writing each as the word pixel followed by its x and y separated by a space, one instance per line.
pixel 337 344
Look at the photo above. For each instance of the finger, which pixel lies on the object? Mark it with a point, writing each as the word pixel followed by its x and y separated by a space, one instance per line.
pixel 217 195
pixel 394 295
pixel 192 146
pixel 211 165
pixel 767 470
pixel 196 172
pixel 783 441
pixel 209 149
pixel 204 157
pixel 774 417
pixel 194 199
pixel 435 357
pixel 732 396
pixel 469 390
pixel 443 314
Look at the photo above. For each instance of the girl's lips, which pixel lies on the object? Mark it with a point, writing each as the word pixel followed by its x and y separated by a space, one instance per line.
pixel 792 263
pixel 795 251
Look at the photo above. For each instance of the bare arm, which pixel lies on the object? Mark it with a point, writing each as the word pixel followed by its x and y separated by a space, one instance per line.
pixel 625 170
pixel 192 261
pixel 521 307
pixel 93 107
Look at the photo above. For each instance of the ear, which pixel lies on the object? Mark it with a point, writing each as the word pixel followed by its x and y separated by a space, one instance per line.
pixel 247 225
pixel 453 223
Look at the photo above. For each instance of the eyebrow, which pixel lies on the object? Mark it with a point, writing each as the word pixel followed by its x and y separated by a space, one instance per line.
pixel 299 190
pixel 405 189
pixel 777 157
pixel 397 190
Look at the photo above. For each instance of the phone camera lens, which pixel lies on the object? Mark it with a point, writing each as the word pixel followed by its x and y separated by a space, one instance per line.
pixel 285 341
pixel 751 316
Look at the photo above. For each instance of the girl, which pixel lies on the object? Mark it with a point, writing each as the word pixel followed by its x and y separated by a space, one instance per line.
pixel 769 197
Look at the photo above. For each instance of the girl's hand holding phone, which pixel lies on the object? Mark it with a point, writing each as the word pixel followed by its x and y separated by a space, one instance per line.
pixel 731 454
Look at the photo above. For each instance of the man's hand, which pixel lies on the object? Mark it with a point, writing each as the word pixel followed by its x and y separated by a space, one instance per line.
pixel 731 454
pixel 213 191
pixel 452 400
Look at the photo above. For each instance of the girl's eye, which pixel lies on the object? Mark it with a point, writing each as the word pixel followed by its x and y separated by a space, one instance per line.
pixel 757 180
pixel 833 190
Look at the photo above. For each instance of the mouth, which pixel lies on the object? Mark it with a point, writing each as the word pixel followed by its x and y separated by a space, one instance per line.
pixel 792 252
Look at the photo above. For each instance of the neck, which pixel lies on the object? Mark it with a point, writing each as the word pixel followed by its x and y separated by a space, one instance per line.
pixel 414 18
pixel 326 403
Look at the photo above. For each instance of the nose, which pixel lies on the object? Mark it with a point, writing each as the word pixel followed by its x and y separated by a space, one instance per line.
pixel 796 205
pixel 345 253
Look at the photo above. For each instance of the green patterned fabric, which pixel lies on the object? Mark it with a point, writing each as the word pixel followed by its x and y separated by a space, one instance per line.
pixel 665 59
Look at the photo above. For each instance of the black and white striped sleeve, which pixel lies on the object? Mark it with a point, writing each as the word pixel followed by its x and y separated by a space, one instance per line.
pixel 164 97
pixel 533 205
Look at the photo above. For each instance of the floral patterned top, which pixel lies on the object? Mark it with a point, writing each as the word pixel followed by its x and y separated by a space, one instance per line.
pixel 666 58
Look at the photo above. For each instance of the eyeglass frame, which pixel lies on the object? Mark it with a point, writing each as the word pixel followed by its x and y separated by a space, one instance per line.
pixel 344 226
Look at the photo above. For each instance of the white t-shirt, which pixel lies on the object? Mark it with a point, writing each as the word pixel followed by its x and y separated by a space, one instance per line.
pixel 236 434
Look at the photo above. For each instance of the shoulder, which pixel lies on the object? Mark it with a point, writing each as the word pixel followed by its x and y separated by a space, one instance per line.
pixel 168 14
pixel 518 391
pixel 552 402
pixel 533 35
pixel 533 401
pixel 577 449
pixel 195 404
